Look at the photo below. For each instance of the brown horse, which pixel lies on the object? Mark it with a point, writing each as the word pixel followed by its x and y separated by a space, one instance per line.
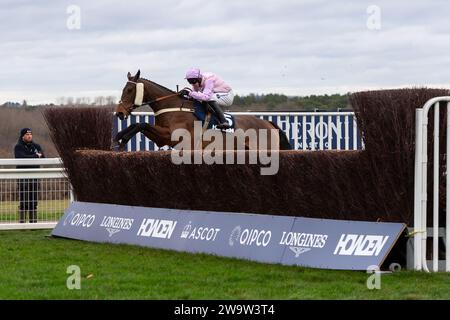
pixel 173 112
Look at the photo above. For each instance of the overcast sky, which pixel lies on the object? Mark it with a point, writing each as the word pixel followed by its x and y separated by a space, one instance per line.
pixel 291 47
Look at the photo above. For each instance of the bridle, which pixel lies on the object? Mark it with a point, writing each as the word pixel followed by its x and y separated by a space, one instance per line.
pixel 138 100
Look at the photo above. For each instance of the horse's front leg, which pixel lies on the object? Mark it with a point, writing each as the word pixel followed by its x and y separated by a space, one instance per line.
pixel 125 135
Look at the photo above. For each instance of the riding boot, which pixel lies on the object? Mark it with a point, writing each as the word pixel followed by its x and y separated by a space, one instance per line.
pixel 218 111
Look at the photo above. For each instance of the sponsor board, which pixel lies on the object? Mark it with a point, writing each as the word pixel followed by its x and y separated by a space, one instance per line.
pixel 319 243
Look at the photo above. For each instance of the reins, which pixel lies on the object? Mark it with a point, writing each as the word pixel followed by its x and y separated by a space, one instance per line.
pixel 160 99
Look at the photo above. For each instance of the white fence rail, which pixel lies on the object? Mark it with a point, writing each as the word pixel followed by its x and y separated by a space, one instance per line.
pixel 32 198
pixel 420 190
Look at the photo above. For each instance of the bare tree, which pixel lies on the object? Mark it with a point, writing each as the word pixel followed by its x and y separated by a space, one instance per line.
pixel 100 101
pixel 110 100
pixel 60 101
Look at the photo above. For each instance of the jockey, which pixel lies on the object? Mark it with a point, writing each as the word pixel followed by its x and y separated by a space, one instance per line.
pixel 209 88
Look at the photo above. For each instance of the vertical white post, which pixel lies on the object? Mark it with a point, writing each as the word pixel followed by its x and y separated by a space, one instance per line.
pixel 71 196
pixel 418 193
pixel 347 133
pixel 447 196
pixel 320 133
pixel 304 133
pixel 147 140
pixel 119 125
pixel 330 132
pixel 138 136
pixel 424 189
pixel 436 189
pixel 128 124
pixel 339 132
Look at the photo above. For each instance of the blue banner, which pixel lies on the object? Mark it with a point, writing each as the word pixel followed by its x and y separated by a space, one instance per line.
pixel 305 131
pixel 318 243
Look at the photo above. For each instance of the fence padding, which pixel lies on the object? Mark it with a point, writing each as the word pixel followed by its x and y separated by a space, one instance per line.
pixel 309 184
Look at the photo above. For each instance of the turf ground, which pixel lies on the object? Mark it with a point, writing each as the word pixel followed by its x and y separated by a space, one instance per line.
pixel 48 210
pixel 34 266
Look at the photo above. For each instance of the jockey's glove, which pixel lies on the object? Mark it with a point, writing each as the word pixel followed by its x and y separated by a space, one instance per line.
pixel 185 94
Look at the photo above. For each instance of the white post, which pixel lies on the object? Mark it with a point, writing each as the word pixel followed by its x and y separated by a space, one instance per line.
pixel 418 193
pixel 138 136
pixel 71 195
pixel 321 138
pixel 330 132
pixel 304 133
pixel 423 210
pixel 420 187
pixel 347 133
pixel 436 189
pixel 129 142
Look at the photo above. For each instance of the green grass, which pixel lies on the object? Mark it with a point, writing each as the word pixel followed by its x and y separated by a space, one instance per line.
pixel 34 266
pixel 49 210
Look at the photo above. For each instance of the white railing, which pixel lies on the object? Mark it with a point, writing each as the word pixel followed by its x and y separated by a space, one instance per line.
pixel 420 189
pixel 33 198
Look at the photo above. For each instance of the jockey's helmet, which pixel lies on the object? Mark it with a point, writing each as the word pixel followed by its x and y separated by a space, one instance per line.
pixel 192 75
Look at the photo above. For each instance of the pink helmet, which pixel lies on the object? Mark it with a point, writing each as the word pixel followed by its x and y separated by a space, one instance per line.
pixel 193 73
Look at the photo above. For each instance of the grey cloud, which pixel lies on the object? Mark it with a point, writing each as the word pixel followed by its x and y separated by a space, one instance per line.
pixel 292 47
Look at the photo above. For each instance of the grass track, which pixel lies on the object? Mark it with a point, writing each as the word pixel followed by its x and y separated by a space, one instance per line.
pixel 34 267
pixel 48 210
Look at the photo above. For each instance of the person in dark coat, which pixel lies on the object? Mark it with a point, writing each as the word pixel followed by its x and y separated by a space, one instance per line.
pixel 28 188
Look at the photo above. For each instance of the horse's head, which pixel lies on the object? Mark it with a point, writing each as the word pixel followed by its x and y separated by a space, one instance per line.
pixel 132 95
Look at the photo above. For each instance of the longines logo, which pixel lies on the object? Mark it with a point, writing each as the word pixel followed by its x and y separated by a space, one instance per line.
pixel 299 250
pixel 299 242
pixel 112 231
pixel 115 224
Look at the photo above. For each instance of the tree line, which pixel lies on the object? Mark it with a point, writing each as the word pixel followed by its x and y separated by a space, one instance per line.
pixel 250 102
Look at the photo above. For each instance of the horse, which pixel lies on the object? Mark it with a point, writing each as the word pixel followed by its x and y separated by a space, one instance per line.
pixel 174 112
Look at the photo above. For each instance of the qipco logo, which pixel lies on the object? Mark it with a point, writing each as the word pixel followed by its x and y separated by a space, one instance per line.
pixel 80 219
pixel 255 237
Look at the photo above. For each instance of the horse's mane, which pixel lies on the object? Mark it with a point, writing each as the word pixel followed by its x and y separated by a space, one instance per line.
pixel 157 84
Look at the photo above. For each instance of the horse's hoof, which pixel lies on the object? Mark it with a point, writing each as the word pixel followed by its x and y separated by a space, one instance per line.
pixel 122 146
pixel 118 146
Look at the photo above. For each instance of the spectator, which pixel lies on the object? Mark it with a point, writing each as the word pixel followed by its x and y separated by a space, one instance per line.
pixel 28 188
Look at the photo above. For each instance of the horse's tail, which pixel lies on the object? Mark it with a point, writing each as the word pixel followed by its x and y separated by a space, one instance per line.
pixel 284 142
